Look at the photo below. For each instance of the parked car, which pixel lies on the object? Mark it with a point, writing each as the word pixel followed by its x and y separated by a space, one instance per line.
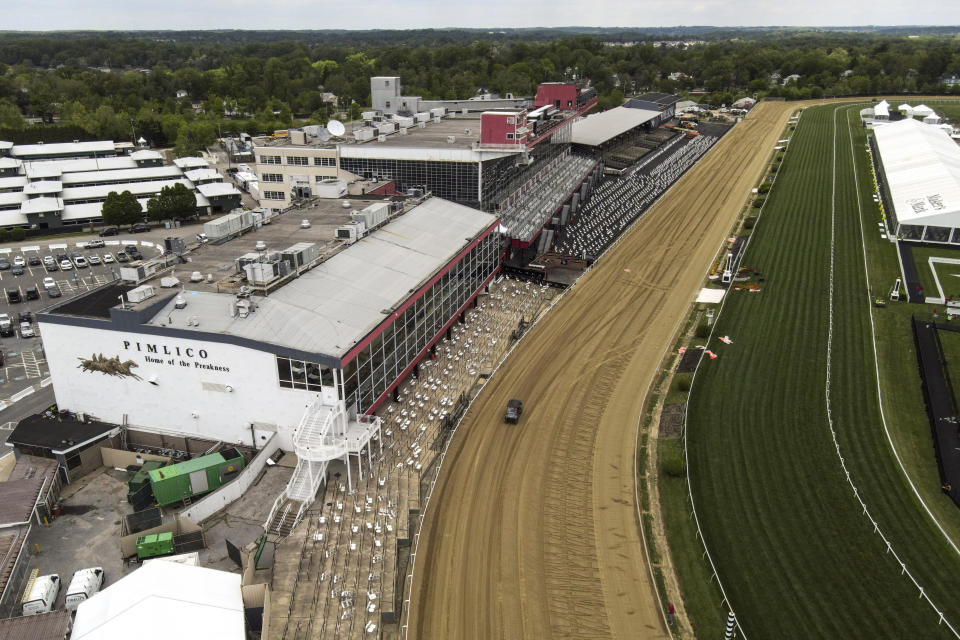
pixel 42 595
pixel 108 258
pixel 4 264
pixel 135 255
pixel 514 409
pixel 24 316
pixel 49 282
pixel 13 295
pixel 48 260
pixel 51 266
pixel 66 265
pixel 32 292
pixel 84 584
pixel 81 262
pixel 62 256
pixel 109 231
pixel 18 261
pixel 6 325
pixel 122 257
pixel 95 244
pixel 26 330
pixel 93 259
pixel 304 224
pixel 54 291
pixel 17 270
pixel 140 227
pixel 34 261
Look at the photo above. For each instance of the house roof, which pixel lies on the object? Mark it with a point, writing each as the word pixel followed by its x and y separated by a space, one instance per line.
pixel 54 625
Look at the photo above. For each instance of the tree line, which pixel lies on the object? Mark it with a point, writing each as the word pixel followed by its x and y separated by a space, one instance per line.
pixel 126 86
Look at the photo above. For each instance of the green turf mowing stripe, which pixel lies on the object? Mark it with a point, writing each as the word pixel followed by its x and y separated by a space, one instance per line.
pixel 794 551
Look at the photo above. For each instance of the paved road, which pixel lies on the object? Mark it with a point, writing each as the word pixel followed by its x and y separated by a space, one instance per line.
pixel 532 531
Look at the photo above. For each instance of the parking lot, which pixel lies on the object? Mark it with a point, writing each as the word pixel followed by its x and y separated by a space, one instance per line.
pixel 24 363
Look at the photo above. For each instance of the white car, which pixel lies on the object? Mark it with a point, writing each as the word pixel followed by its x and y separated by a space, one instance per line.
pixel 66 265
pixel 26 330
pixel 107 258
pixel 18 261
pixel 81 262
pixel 94 259
pixel 49 282
pixel 304 224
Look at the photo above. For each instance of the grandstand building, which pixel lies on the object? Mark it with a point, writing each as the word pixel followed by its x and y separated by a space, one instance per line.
pixel 919 177
pixel 46 186
pixel 214 365
pixel 484 154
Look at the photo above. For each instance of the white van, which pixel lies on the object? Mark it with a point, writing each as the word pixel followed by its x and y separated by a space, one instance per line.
pixel 84 584
pixel 41 594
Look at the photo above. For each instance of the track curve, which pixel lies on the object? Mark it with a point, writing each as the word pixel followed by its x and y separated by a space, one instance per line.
pixel 532 530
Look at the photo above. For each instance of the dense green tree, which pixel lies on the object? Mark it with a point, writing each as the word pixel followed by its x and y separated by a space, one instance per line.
pixel 121 209
pixel 174 201
pixel 10 116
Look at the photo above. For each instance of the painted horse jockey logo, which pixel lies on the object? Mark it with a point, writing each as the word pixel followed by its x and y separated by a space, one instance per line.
pixel 110 366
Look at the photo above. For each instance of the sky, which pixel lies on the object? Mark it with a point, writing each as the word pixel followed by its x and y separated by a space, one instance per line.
pixel 44 15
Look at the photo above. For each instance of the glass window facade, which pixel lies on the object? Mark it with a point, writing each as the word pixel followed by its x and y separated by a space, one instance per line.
pixel 273 195
pixel 368 375
pixel 272 177
pixel 503 176
pixel 325 162
pixel 269 159
pixel 300 161
pixel 306 376
pixel 455 181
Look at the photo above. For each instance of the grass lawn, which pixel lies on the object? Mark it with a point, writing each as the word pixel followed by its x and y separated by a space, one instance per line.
pixel 793 549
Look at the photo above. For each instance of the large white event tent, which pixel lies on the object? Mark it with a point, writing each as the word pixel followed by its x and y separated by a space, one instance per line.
pixel 921 165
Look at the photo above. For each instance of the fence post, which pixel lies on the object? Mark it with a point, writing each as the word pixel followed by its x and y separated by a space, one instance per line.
pixel 731 627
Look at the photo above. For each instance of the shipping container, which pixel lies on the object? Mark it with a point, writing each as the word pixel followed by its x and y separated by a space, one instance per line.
pixel 195 477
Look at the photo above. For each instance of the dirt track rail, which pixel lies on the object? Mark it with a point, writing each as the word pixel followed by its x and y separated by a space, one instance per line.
pixel 532 530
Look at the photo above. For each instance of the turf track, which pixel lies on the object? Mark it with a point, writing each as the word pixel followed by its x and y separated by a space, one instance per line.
pixel 794 551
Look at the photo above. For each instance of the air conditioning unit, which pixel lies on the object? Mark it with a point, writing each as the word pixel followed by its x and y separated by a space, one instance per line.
pixel 468 132
pixel 381 138
pixel 451 139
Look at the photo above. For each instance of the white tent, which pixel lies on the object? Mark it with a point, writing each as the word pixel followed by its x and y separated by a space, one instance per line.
pixel 932 119
pixel 922 168
pixel 161 600
pixel 922 110
pixel 882 110
pixel 905 109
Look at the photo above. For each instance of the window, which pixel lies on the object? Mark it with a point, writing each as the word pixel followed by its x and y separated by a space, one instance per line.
pixel 273 195
pixel 269 159
pixel 298 160
pixel 510 120
pixel 388 104
pixel 325 162
pixel 272 177
pixel 308 376
pixel 509 136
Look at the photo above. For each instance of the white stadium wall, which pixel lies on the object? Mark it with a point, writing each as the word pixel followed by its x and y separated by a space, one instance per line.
pixel 190 387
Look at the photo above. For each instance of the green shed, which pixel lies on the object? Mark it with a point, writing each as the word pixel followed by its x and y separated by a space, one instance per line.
pixel 195 477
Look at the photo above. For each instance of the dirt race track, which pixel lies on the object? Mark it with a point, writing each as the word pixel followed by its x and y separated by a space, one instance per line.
pixel 532 531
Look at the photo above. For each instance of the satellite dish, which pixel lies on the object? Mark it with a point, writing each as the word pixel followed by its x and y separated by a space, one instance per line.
pixel 335 127
pixel 323 135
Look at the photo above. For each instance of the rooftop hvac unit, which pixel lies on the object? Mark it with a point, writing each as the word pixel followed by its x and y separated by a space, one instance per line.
pixel 381 138
pixel 414 192
pixel 451 139
pixel 463 111
pixel 351 232
pixel 403 132
pixel 436 118
pixel 262 272
pixel 141 293
pixel 468 132
pixel 422 125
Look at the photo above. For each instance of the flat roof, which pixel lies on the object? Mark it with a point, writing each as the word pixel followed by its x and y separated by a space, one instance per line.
pixel 56 434
pixel 217 189
pixel 12 197
pixel 922 166
pixel 596 129
pixel 121 175
pixel 79 164
pixel 13 181
pixel 662 99
pixel 43 186
pixel 136 188
pixel 53 625
pixel 332 307
pixel 43 204
pixel 191 162
pixel 205 173
pixel 63 148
